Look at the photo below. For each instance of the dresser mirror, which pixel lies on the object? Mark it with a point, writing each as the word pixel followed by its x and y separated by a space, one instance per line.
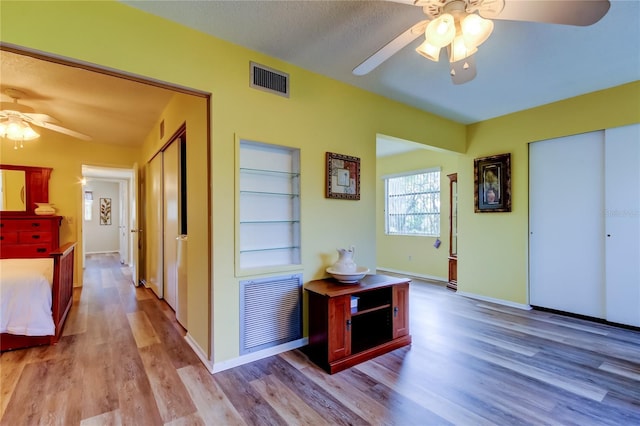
pixel 21 187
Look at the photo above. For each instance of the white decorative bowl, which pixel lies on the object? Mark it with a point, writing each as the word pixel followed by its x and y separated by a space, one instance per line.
pixel 348 277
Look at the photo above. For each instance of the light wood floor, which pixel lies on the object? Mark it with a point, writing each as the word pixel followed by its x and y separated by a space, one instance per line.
pixel 123 360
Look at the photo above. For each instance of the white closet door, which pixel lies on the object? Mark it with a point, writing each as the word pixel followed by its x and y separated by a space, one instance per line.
pixel 171 177
pixel 566 240
pixel 153 232
pixel 622 218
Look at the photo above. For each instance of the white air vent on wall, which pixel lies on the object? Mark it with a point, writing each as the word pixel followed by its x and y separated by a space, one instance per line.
pixel 268 79
pixel 270 312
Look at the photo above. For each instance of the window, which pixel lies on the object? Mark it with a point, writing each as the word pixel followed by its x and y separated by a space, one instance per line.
pixel 88 205
pixel 413 203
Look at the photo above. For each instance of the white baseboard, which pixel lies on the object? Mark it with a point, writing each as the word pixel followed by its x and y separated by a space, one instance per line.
pixel 199 352
pixel 412 274
pixel 494 300
pixel 245 359
pixel 102 252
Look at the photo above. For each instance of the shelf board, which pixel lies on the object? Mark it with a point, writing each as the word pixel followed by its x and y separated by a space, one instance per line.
pixel 269 172
pixel 270 249
pixel 367 311
pixel 281 194
pixel 266 222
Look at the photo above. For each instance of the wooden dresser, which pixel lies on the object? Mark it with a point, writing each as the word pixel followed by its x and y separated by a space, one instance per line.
pixel 29 236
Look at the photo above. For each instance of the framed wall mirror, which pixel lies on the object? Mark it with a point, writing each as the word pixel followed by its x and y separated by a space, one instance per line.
pixel 21 187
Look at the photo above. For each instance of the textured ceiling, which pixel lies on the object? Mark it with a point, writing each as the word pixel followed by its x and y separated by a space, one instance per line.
pixel 106 108
pixel 522 64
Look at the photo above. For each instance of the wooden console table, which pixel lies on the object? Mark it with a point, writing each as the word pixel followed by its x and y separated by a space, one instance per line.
pixel 352 323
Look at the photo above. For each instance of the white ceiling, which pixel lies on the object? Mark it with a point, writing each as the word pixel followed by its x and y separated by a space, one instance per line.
pixel 522 64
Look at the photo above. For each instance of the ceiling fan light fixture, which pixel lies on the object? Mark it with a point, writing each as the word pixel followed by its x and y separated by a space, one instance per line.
pixel 429 51
pixel 441 31
pixel 17 130
pixel 475 29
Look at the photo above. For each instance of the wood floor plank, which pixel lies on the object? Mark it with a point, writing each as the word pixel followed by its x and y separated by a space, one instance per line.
pixel 142 329
pixel 291 408
pixel 422 394
pixel 137 403
pixel 111 418
pixel 12 364
pixel 358 402
pixel 214 408
pixel 99 380
pixel 171 396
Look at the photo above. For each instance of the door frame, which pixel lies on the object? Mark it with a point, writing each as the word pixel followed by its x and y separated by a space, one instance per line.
pixel 128 200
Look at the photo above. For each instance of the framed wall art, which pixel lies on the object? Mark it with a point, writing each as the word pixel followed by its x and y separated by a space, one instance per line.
pixel 105 211
pixel 492 179
pixel 343 176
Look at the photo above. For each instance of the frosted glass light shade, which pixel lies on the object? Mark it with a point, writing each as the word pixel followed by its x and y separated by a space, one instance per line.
pixel 459 50
pixel 475 30
pixel 429 51
pixel 17 130
pixel 441 31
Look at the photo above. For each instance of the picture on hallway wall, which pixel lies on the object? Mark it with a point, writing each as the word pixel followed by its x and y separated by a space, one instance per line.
pixel 105 211
pixel 492 181
pixel 343 176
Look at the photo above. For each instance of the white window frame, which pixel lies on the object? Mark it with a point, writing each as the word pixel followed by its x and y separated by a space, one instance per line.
pixel 434 230
pixel 88 206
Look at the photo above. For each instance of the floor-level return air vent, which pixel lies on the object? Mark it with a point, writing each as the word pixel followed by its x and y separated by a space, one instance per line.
pixel 270 312
pixel 268 79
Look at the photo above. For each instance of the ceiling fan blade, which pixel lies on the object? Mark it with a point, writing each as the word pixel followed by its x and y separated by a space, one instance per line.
pixel 37 118
pixel 64 130
pixel 463 71
pixel 565 12
pixel 390 49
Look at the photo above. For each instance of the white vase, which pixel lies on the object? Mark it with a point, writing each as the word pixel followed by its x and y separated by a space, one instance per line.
pixel 45 209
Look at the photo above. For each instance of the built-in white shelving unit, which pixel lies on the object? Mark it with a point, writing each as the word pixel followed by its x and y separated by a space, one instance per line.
pixel 269 206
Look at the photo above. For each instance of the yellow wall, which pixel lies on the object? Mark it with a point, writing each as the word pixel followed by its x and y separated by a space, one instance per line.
pixel 65 191
pixel 493 255
pixel 321 115
pixel 190 111
pixel 415 255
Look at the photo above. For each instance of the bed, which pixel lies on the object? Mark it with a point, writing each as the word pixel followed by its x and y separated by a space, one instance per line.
pixel 36 294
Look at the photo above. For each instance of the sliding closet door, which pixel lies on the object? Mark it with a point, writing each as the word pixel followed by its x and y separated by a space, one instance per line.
pixel 154 235
pixel 171 182
pixel 566 240
pixel 622 218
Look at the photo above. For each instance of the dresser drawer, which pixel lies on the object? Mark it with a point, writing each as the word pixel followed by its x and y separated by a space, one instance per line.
pixel 25 250
pixel 34 237
pixel 29 225
pixel 8 237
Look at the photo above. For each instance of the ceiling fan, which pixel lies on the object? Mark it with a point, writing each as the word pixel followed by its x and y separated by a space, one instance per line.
pixel 15 119
pixel 461 26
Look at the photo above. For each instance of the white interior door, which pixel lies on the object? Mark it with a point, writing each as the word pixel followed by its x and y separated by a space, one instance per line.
pixel 123 227
pixel 134 243
pixel 153 232
pixel 171 182
pixel 566 240
pixel 622 219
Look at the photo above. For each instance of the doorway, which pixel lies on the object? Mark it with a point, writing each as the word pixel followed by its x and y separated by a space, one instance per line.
pixel 109 203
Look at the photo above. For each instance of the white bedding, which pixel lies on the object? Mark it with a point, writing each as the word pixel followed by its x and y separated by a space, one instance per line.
pixel 25 296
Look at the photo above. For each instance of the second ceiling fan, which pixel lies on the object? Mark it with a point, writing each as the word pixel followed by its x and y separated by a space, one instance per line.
pixel 460 26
